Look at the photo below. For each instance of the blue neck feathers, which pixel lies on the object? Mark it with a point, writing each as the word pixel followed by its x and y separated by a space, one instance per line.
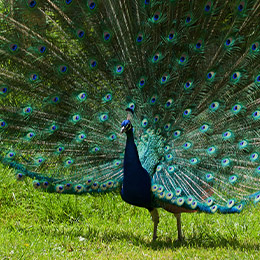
pixel 137 182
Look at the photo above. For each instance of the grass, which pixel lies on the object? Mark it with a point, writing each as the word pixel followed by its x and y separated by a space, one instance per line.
pixel 37 225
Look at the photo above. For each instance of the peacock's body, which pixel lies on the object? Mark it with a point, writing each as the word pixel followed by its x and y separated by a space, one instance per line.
pixel 187 72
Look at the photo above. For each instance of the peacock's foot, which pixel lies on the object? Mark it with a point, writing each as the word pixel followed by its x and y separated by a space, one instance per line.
pixel 154 238
pixel 181 238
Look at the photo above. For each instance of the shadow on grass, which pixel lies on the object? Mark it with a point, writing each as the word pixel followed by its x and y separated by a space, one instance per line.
pixel 198 240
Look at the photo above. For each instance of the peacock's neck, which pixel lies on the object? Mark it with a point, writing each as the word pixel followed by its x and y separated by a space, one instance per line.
pixel 136 182
pixel 131 161
pixel 130 136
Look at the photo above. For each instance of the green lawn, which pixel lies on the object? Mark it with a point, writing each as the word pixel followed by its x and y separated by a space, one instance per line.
pixel 37 225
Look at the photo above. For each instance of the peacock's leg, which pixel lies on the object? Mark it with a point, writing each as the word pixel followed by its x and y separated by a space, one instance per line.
pixel 178 217
pixel 155 218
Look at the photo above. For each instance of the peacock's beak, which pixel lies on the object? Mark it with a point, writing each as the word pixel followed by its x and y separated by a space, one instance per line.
pixel 123 129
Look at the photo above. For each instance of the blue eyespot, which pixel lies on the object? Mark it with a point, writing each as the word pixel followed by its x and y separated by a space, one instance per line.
pixel 182 59
pixel 131 106
pixel 209 177
pixel 34 77
pixel 55 99
pixel 187 145
pixel 225 162
pixel 82 96
pixel 76 118
pixel 10 155
pixel 3 90
pixel 68 162
pixel 32 3
pixel 169 157
pixel 176 133
pixel 36 184
pixel 214 106
pixel 104 117
pixel 107 97
pixel 207 8
pixel 144 122
pixel 106 36
pixel 167 127
pixel 59 149
pixel 254 157
pixel 187 112
pixel 91 5
pixel 93 64
pixel 156 17
pixel 256 114
pixel 119 69
pixel 164 78
pixel 63 68
pixel 42 49
pixel 19 176
pixel 156 118
pixel 240 8
pixel 53 128
pixel 155 57
pixel 236 108
pixel 233 179
pixel 171 35
pixel 198 45
pixel 169 103
pixel 13 47
pixel 229 41
pixel 139 38
pixel 188 84
pixel 2 124
pixel 142 82
pixel 80 33
pixel 188 19
pixel 194 161
pixel 236 76
pixel 27 110
pixel 211 150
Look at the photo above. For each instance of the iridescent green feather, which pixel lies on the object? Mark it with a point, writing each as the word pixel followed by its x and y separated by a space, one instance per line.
pixel 189 71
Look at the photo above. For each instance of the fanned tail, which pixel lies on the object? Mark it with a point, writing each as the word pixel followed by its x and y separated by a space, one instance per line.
pixel 189 71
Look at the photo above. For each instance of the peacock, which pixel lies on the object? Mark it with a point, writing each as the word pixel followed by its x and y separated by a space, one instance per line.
pixel 158 100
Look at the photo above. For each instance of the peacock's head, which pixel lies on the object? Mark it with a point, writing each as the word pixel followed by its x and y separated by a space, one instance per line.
pixel 126 126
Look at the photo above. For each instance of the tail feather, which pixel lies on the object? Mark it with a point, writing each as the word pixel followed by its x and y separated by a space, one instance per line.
pixel 189 71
